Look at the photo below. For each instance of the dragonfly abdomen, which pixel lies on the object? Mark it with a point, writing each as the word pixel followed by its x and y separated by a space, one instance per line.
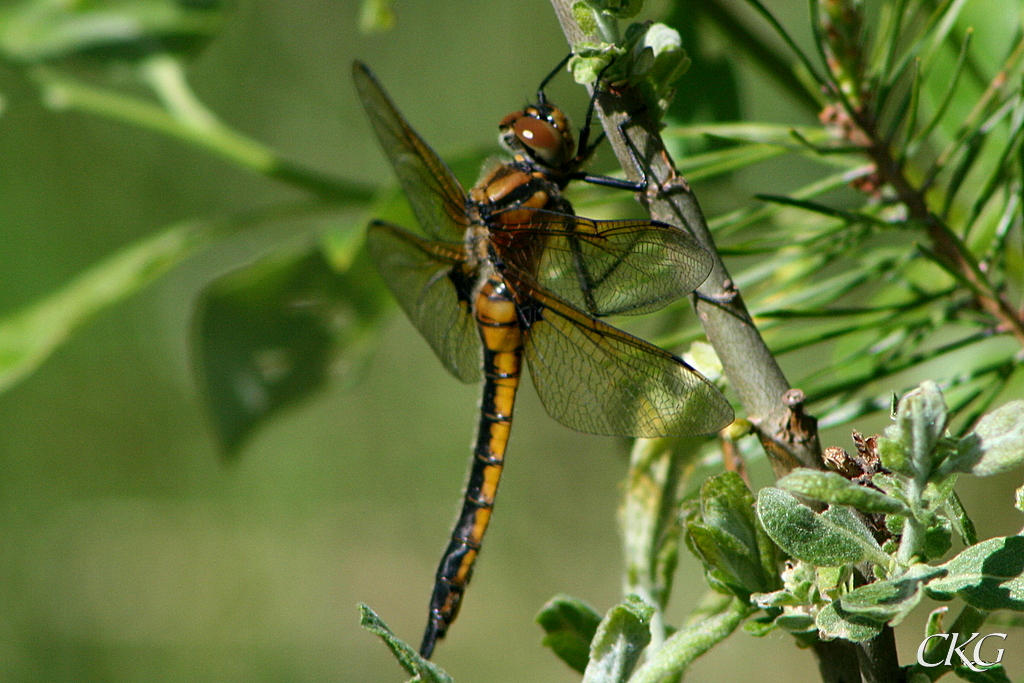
pixel 502 338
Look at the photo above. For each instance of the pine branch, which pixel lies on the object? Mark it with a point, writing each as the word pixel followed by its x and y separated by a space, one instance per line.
pixel 948 247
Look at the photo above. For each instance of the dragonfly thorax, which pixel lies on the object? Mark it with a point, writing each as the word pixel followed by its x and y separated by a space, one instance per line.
pixel 541 133
pixel 510 195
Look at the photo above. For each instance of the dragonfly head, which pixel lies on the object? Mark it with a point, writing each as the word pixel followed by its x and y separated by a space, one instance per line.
pixel 542 133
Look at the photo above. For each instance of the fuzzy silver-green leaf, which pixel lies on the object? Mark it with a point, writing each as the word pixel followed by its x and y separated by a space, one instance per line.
pixel 988 576
pixel 996 445
pixel 834 489
pixel 621 637
pixel 807 536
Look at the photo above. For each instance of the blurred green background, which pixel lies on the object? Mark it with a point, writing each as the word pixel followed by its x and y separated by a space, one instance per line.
pixel 130 551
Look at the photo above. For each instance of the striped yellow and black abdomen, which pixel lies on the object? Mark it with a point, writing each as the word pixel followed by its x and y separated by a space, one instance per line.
pixel 502 337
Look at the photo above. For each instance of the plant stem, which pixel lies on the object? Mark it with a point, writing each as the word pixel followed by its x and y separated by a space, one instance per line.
pixel 878 661
pixel 61 92
pixel 164 75
pixel 689 643
pixel 912 536
pixel 789 437
pixel 649 525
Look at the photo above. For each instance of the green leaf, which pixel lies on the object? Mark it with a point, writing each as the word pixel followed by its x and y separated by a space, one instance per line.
pixel 889 601
pixel 727 504
pixel 967 622
pixel 662 46
pixel 722 161
pixel 796 622
pixel 934 623
pixel 754 133
pixel 836 490
pixel 620 9
pixel 761 626
pixel 29 336
pixel 268 336
pixel 672 659
pixel 620 639
pixel 569 626
pixel 892 485
pixel 939 491
pixel 847 518
pixel 938 537
pixel 728 563
pixel 589 60
pixel 48 30
pixel 834 622
pixel 585 17
pixel 987 576
pixel 779 598
pixel 828 579
pixel 649 56
pixel 727 537
pixel 800 579
pixel 406 655
pixel 817 539
pixel 995 446
pixel 995 674
pixel 909 445
pixel 894 456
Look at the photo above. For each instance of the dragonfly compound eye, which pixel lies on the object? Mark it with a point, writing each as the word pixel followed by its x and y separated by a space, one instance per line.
pixel 546 139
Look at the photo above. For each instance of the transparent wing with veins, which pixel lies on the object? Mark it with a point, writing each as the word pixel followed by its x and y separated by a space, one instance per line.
pixel 428 280
pixel 435 195
pixel 607 267
pixel 598 379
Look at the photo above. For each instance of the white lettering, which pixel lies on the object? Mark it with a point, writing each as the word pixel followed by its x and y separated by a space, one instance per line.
pixel 924 645
pixel 977 651
pixel 953 647
pixel 977 664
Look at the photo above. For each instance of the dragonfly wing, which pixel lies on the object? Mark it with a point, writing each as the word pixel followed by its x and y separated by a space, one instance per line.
pixel 595 378
pixel 611 267
pixel 436 197
pixel 429 283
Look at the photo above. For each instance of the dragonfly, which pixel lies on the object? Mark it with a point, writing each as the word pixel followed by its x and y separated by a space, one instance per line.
pixel 507 274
